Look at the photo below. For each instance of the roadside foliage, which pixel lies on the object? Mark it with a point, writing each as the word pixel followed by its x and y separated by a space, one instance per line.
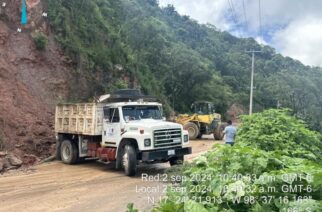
pixel 275 165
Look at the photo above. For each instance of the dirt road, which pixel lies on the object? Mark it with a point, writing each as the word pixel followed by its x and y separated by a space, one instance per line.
pixel 85 187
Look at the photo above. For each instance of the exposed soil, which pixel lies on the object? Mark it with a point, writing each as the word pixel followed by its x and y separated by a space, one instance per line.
pixel 85 187
pixel 31 83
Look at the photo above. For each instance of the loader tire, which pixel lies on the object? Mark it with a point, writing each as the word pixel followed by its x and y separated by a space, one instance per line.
pixel 199 136
pixel 192 129
pixel 219 132
pixel 68 152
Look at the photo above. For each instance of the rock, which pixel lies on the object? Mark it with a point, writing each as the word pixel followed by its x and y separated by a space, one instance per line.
pixel 6 163
pixel 13 160
pixel 2 154
pixel 30 159
pixel 28 140
pixel 21 132
pixel 41 131
pixel 7 166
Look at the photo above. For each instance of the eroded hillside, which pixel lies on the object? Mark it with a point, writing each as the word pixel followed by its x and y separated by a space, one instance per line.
pixel 31 81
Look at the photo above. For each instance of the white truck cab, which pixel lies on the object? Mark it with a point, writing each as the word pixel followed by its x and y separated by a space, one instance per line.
pixel 126 130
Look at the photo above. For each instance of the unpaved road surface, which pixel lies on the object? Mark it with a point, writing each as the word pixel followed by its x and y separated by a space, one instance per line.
pixel 90 186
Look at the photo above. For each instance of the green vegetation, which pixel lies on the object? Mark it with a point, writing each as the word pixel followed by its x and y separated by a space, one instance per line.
pixel 40 40
pixel 174 57
pixel 276 130
pixel 130 208
pixel 246 177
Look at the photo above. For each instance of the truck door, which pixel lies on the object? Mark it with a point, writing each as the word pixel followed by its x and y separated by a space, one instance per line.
pixel 111 126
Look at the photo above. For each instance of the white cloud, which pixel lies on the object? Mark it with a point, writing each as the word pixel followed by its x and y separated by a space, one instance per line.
pixel 293 27
pixel 302 40
pixel 260 40
pixel 204 11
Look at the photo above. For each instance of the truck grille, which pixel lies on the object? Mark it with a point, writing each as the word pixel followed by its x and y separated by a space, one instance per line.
pixel 167 137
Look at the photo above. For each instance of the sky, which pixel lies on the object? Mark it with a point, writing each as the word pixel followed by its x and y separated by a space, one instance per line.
pixel 292 27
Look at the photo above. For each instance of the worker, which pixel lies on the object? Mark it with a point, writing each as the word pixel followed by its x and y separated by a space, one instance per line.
pixel 230 133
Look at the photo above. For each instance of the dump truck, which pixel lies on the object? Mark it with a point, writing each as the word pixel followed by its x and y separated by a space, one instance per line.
pixel 124 128
pixel 203 121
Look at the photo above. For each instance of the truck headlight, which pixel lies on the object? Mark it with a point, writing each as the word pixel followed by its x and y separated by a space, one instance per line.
pixel 185 138
pixel 147 142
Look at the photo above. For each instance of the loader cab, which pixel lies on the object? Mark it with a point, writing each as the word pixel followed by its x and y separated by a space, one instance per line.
pixel 203 108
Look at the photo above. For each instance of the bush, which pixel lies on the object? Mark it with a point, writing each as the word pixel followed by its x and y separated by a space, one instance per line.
pixel 244 179
pixel 40 40
pixel 266 170
pixel 277 130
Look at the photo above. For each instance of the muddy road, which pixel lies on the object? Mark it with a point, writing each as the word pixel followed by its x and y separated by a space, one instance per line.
pixel 90 186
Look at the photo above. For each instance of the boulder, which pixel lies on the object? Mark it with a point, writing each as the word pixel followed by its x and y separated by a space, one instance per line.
pixel 6 163
pixel 13 160
pixel 2 154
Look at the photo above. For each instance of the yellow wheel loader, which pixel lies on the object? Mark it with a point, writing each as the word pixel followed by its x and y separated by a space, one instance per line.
pixel 203 121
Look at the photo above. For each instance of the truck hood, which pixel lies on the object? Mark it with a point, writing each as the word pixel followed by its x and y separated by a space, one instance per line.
pixel 152 124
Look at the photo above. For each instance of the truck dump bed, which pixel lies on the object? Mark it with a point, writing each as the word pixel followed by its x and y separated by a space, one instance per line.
pixel 81 118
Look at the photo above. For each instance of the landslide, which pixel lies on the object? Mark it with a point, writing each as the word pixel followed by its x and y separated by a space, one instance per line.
pixel 31 83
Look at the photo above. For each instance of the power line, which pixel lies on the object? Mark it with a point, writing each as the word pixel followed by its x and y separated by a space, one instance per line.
pixel 260 19
pixel 245 16
pixel 233 13
pixel 233 8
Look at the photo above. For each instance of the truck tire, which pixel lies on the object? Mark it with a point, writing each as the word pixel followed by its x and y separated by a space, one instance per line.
pixel 129 160
pixel 176 161
pixel 68 152
pixel 219 132
pixel 192 129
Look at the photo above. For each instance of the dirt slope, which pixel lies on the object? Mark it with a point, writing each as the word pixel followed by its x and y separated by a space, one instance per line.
pixel 31 81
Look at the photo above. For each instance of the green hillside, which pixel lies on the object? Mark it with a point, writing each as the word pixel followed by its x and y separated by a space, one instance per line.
pixel 131 43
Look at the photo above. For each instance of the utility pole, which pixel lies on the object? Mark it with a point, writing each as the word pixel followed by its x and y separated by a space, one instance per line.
pixel 172 86
pixel 252 81
pixel 172 79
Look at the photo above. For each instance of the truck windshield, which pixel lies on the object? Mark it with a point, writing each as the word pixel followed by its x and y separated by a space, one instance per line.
pixel 138 112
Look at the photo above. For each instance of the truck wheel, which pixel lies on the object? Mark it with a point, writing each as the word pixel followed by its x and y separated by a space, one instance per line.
pixel 68 152
pixel 219 132
pixel 193 130
pixel 176 161
pixel 129 160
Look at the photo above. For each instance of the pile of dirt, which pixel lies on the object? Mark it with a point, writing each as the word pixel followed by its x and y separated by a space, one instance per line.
pixel 31 83
pixel 234 112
